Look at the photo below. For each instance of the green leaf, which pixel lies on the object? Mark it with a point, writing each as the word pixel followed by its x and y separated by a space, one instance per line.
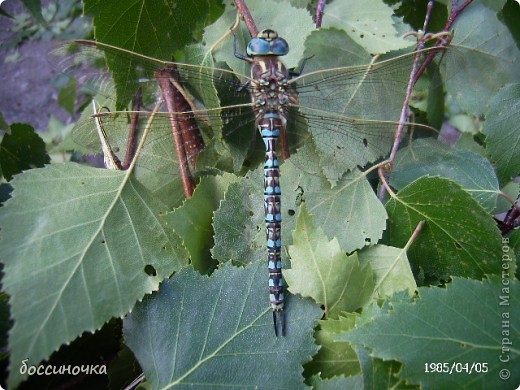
pixel 436 93
pixel 123 369
pixel 58 140
pixel 360 141
pixel 82 248
pixel 471 143
pixel 3 124
pixel 380 374
pixel 502 131
pixel 152 28
pixel 203 90
pixel 511 190
pixel 354 363
pixel 21 149
pixel 413 12
pixel 347 52
pixel 239 224
pixel 391 269
pixel 429 157
pixel 334 358
pixel 513 240
pixel 193 221
pixel 486 44
pixel 458 238
pixel 217 331
pixel 349 211
pixel 155 29
pixel 321 270
pixel 464 123
pixel 446 326
pixel 337 383
pixel 371 24
pixel 495 5
pixel 35 8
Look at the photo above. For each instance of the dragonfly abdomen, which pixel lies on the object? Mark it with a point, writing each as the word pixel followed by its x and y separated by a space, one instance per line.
pixel 270 100
pixel 270 128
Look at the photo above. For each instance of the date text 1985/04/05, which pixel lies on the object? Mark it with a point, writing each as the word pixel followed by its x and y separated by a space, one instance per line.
pixel 454 367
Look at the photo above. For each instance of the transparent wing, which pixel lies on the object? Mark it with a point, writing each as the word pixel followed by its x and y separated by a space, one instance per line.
pixel 373 91
pixel 159 152
pixel 351 112
pixel 97 64
pixel 115 75
pixel 348 114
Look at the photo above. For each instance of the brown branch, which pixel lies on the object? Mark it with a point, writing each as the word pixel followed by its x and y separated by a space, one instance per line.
pixel 183 126
pixel 246 15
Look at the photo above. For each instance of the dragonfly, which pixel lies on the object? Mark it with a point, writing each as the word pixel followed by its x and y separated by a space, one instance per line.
pixel 323 110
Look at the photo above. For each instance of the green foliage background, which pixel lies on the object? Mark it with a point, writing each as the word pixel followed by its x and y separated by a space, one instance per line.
pixel 367 308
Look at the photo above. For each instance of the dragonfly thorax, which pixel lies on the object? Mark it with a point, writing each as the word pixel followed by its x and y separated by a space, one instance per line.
pixel 267 43
pixel 270 93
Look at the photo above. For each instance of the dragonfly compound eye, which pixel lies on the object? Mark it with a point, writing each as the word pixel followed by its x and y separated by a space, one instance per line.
pixel 267 43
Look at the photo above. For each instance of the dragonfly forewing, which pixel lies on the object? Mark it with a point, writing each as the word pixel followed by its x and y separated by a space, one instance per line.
pixel 124 72
pixel 101 63
pixel 348 113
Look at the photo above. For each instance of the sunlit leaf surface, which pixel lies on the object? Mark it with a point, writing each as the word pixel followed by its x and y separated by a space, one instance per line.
pixel 217 331
pixel 446 326
pixel 80 245
pixel 458 238
pixel 320 269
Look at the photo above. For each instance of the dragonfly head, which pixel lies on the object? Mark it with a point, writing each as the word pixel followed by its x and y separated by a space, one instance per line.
pixel 267 43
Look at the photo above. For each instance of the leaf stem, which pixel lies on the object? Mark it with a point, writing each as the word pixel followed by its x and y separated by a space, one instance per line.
pixel 414 235
pixel 384 183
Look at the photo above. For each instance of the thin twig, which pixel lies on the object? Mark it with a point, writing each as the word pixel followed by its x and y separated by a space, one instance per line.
pixel 403 118
pixel 135 382
pixel 455 12
pixel 417 71
pixel 320 8
pixel 248 19
pixel 512 217
pixel 134 121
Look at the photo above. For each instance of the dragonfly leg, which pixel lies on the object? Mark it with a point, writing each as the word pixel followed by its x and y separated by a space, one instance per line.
pixel 237 53
pixel 243 86
pixel 295 73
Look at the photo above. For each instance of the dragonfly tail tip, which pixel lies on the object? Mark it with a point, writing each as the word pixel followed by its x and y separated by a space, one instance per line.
pixel 279 316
